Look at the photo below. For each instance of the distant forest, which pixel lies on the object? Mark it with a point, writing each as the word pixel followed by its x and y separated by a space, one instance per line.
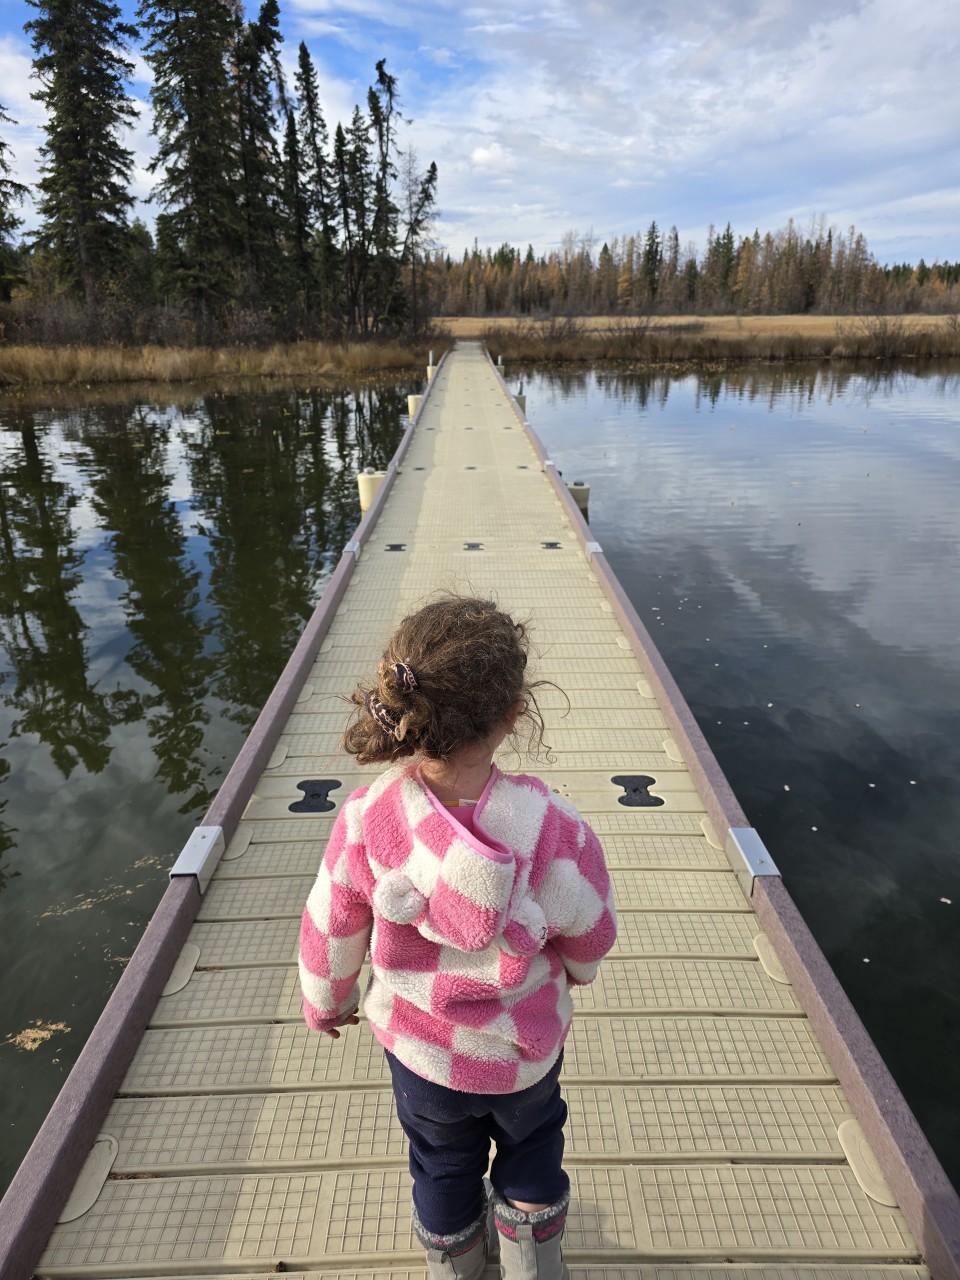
pixel 271 225
pixel 787 272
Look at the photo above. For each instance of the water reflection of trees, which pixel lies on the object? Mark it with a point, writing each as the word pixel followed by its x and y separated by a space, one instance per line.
pixel 276 492
pixel 130 479
pixel 791 385
pixel 44 637
pixel 213 593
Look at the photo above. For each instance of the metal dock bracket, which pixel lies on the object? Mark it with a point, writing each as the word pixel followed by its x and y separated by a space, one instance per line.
pixel 200 855
pixel 749 857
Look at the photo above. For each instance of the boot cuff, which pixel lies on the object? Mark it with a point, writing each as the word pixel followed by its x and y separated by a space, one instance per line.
pixel 546 1223
pixel 459 1242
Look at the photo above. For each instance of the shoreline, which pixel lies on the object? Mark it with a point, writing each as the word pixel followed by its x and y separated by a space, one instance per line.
pixel 718 342
pixel 661 343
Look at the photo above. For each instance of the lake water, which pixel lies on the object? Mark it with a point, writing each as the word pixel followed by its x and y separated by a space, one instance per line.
pixel 791 540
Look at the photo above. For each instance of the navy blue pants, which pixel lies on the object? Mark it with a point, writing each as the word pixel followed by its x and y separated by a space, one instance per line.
pixel 450 1134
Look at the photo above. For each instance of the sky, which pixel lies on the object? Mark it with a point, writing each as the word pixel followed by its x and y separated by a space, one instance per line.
pixel 597 117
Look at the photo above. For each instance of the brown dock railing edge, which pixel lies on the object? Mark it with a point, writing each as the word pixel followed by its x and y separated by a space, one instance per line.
pixel 42 1185
pixel 926 1196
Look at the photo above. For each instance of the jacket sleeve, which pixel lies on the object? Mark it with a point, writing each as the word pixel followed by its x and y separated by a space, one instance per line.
pixel 335 929
pixel 591 933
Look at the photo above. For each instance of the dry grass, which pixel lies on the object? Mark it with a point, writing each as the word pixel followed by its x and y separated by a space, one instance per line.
pixel 716 339
pixel 29 366
pixel 710 326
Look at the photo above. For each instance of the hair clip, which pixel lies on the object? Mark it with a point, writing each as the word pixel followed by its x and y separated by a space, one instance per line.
pixel 384 718
pixel 405 677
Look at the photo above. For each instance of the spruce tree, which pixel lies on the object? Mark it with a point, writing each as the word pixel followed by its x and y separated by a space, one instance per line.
pixel 419 198
pixel 296 206
pixel 11 195
pixel 256 69
pixel 384 294
pixel 650 264
pixel 85 180
pixel 188 43
pixel 354 192
pixel 318 182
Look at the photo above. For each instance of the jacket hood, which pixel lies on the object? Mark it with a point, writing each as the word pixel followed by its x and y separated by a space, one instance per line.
pixel 457 888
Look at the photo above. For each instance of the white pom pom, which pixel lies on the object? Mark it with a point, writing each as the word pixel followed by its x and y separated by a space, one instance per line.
pixel 397 899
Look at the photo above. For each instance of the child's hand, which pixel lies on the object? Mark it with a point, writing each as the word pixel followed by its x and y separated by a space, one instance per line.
pixel 350 1021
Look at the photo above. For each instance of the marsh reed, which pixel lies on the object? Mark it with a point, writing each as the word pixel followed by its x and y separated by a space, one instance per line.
pixel 26 366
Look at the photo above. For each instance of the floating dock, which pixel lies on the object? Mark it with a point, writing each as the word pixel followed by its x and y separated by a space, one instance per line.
pixel 729 1117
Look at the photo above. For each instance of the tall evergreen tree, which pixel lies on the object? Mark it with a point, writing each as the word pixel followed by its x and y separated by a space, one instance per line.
pixel 198 153
pixel 11 195
pixel 86 168
pixel 296 206
pixel 256 65
pixel 354 184
pixel 318 181
pixel 419 198
pixel 384 109
pixel 650 264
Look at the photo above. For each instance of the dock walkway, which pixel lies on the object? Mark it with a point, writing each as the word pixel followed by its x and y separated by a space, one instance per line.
pixel 704 1114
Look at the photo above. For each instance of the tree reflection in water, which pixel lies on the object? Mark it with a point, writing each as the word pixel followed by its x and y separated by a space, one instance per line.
pixel 214 585
pixel 47 685
pixel 126 460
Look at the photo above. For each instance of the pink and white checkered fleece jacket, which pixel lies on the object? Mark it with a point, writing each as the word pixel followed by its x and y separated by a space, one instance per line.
pixel 474 939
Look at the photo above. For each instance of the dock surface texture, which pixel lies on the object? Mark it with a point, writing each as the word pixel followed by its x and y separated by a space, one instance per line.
pixel 704 1116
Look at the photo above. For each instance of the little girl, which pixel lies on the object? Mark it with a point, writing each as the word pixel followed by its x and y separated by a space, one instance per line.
pixel 482 897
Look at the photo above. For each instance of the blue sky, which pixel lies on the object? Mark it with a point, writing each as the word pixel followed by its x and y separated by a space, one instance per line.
pixel 599 116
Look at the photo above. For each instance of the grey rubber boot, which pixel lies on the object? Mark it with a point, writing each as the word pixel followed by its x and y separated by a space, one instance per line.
pixel 458 1257
pixel 530 1242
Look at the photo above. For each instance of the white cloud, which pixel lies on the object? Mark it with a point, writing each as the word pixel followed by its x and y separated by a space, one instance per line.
pixel 493 158
pixel 15 69
pixel 441 57
pixel 25 135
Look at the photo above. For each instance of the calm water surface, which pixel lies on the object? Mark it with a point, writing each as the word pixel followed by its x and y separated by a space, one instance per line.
pixel 791 541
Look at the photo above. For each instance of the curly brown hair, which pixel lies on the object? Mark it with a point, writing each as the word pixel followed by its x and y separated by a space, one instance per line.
pixel 468 660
